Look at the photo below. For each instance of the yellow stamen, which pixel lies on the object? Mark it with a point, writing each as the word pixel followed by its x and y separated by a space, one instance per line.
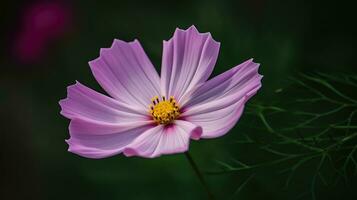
pixel 165 111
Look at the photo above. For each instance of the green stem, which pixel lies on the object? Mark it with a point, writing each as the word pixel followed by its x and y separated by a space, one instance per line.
pixel 199 175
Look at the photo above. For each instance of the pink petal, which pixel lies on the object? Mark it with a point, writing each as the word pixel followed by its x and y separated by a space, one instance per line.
pixel 85 103
pixel 102 145
pixel 218 104
pixel 100 126
pixel 188 60
pixel 126 73
pixel 162 140
pixel 90 127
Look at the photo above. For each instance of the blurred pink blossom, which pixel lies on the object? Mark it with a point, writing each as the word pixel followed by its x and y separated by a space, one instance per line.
pixel 41 24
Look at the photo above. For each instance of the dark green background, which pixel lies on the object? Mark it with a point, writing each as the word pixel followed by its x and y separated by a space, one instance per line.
pixel 286 37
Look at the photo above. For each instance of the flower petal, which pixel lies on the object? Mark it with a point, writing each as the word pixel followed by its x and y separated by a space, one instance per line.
pixel 86 126
pixel 218 104
pixel 162 140
pixel 102 145
pixel 100 126
pixel 126 73
pixel 85 103
pixel 188 60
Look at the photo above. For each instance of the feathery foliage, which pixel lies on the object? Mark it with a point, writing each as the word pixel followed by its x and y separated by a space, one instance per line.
pixel 315 127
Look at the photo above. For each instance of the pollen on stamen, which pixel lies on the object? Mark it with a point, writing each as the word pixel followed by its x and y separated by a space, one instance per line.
pixel 155 99
pixel 164 111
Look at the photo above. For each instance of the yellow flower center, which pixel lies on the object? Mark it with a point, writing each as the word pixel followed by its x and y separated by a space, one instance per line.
pixel 164 111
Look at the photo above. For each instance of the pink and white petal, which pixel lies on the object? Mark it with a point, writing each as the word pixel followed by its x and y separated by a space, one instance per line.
pixel 102 145
pixel 85 103
pixel 162 140
pixel 187 61
pixel 219 122
pixel 238 81
pixel 91 127
pixel 218 104
pixel 126 73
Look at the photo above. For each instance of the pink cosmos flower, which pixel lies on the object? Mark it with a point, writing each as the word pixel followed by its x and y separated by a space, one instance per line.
pixel 147 115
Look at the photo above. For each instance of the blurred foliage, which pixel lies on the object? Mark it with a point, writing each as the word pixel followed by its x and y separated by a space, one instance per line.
pixel 325 135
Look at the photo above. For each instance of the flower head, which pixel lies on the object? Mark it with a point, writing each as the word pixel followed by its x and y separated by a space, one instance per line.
pixel 149 115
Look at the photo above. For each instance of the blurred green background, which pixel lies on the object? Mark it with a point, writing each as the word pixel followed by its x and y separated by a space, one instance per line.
pixel 286 37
